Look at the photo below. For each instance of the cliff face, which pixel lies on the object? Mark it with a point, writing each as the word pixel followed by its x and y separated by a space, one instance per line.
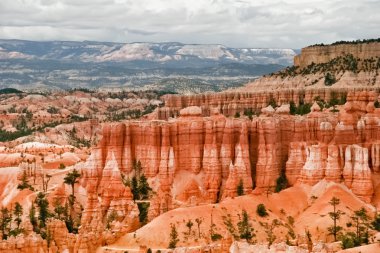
pixel 230 103
pixel 195 159
pixel 323 54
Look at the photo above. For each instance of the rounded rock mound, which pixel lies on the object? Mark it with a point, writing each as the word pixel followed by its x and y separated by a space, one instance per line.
pixel 191 111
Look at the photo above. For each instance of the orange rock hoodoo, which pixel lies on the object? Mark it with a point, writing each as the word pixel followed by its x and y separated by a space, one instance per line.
pixel 214 153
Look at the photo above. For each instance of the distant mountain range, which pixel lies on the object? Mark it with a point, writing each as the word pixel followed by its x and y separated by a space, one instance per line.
pixel 184 68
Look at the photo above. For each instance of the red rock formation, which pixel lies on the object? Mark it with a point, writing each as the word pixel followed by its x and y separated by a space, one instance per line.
pixel 269 151
pixel 106 194
pixel 28 242
pixel 217 152
pixel 297 158
pixel 211 164
pixel 61 239
pixel 375 155
pixel 314 169
pixel 358 174
pixel 333 170
pixel 230 103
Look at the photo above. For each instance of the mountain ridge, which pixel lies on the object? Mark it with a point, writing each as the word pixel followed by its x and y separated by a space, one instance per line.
pixel 50 65
pixel 160 51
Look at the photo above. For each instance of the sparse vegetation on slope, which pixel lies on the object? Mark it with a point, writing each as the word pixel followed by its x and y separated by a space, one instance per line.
pixel 343 42
pixel 10 91
pixel 331 68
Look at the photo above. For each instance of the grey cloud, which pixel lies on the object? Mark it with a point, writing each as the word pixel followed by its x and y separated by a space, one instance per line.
pixel 139 32
pixel 243 23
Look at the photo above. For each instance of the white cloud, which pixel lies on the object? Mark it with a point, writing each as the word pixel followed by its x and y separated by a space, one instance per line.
pixel 238 23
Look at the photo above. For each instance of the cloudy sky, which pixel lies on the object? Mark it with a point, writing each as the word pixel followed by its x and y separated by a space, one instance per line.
pixel 235 23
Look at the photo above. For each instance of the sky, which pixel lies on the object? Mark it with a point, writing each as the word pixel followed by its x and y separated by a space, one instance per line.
pixel 239 23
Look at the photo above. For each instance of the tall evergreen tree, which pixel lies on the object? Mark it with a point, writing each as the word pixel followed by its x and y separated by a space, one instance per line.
pixel 137 168
pixel 71 179
pixel 361 220
pixel 335 216
pixel 43 209
pixel 24 182
pixel 245 227
pixel 173 237
pixel 18 218
pixel 135 188
pixel 5 221
pixel 32 217
pixel 144 188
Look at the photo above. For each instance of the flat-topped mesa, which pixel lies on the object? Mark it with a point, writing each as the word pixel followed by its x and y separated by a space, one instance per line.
pixel 323 54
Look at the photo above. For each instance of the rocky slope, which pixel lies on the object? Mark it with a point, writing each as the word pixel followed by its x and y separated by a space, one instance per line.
pixel 307 205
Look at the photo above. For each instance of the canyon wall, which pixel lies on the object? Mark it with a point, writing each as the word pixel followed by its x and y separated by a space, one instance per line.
pixel 322 54
pixel 194 159
pixel 230 103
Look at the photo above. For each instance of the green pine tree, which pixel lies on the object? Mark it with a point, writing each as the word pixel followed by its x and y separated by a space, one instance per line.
pixel 135 188
pixel 245 227
pixel 144 188
pixel 71 179
pixel 43 209
pixel 335 216
pixel 5 221
pixel 240 188
pixel 32 217
pixel 173 237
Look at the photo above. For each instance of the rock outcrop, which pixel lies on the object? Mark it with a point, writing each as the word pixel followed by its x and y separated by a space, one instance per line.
pixel 213 154
pixel 106 196
pixel 247 99
pixel 323 54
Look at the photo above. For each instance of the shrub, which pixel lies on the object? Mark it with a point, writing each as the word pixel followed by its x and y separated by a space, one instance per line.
pixel 349 240
pixel 240 188
pixel 272 102
pixel 281 182
pixel 329 79
pixel 227 220
pixel 248 113
pixel 301 109
pixel 261 210
pixel 216 237
pixel 376 223
pixel 143 211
